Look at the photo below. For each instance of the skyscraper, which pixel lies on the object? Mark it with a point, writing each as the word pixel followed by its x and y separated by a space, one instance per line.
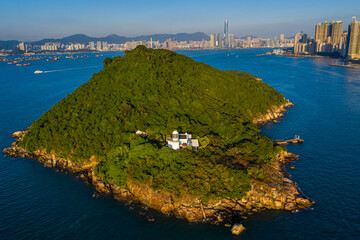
pixel 353 43
pixel 328 36
pixel 231 40
pixel 226 33
pixel 321 32
pixel 218 40
pixel 336 32
pixel 248 41
pixel 212 40
pixel 282 38
pixel 22 46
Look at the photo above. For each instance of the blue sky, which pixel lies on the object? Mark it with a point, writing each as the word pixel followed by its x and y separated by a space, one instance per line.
pixel 29 20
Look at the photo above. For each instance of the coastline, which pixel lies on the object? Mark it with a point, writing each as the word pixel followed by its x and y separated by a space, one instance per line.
pixel 278 192
pixel 273 114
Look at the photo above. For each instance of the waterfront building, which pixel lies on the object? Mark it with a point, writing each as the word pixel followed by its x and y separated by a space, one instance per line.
pixel 328 36
pixel 353 40
pixel 212 41
pixel 282 38
pixel 105 46
pixel 98 46
pixel 231 40
pixel 92 45
pixel 22 46
pixel 321 32
pixel 336 31
pixel 218 40
pixel 249 41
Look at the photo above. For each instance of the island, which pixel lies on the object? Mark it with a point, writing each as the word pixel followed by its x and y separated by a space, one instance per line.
pixel 119 130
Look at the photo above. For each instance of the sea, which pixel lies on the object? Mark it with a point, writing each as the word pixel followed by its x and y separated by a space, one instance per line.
pixel 43 203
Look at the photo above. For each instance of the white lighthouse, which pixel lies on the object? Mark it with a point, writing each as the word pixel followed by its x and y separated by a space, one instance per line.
pixel 174 142
pixel 182 140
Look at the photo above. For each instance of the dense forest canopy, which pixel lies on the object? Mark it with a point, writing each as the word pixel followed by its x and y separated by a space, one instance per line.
pixel 157 91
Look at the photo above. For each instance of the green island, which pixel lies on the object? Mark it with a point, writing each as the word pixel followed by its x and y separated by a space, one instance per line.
pixel 156 92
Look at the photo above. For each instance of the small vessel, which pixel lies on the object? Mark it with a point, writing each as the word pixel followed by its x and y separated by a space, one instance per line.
pixel 99 55
pixel 38 71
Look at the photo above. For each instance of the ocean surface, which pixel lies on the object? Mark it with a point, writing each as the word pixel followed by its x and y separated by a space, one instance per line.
pixel 42 203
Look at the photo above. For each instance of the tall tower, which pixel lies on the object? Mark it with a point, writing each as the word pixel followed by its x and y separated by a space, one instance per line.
pixel 322 32
pixel 248 41
pixel 212 40
pixel 282 38
pixel 353 43
pixel 226 33
pixel 336 31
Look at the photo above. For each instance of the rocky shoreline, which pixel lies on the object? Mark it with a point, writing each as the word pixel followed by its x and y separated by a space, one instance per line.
pixel 278 192
pixel 272 114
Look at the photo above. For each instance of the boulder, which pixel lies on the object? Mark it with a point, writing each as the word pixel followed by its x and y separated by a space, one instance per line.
pixel 237 229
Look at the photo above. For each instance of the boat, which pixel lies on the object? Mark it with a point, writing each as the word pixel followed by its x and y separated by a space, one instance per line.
pixel 99 55
pixel 38 71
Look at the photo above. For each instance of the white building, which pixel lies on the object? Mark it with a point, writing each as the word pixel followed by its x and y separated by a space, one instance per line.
pixel 181 140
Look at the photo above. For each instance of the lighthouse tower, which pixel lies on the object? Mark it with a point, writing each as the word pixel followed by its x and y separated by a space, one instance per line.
pixel 174 142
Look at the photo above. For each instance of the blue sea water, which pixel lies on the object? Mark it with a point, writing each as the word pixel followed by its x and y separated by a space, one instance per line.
pixel 42 203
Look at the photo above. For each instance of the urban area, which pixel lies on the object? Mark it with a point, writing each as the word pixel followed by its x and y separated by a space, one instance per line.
pixel 329 39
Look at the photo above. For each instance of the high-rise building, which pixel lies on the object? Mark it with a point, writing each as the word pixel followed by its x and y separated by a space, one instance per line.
pixel 226 33
pixel 22 46
pixel 328 36
pixel 248 41
pixel 353 40
pixel 92 45
pixel 282 38
pixel 322 32
pixel 231 40
pixel 212 41
pixel 218 40
pixel 336 32
pixel 105 46
pixel 98 45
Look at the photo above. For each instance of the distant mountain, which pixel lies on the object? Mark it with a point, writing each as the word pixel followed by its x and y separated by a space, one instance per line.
pixel 113 38
pixel 198 36
pixel 8 45
pixel 245 37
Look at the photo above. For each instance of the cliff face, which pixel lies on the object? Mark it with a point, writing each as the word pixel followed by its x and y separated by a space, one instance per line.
pixel 277 192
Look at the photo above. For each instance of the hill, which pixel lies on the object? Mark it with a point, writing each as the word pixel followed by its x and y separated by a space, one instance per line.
pixel 113 38
pixel 245 37
pixel 8 45
pixel 157 91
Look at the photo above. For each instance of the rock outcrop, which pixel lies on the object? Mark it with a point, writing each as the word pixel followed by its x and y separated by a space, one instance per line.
pixel 277 192
pixel 237 229
pixel 272 114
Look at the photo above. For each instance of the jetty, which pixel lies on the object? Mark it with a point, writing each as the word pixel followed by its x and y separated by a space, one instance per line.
pixel 294 140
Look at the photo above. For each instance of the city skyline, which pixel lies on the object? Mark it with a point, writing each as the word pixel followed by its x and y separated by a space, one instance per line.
pixel 32 21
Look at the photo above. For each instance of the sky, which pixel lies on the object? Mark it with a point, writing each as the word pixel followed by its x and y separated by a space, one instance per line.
pixel 31 20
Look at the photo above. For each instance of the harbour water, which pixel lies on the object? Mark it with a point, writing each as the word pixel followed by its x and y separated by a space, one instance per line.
pixel 41 203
